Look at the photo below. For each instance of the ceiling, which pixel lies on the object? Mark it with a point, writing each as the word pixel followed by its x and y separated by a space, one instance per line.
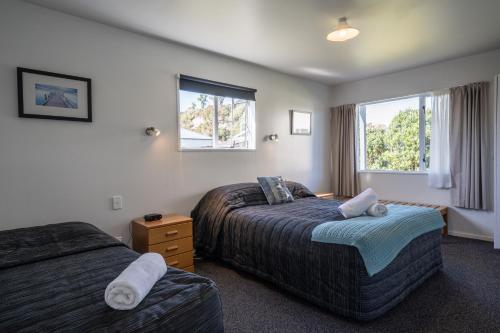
pixel 290 35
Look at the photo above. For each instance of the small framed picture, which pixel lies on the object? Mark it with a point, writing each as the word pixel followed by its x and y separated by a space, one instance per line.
pixel 49 95
pixel 300 122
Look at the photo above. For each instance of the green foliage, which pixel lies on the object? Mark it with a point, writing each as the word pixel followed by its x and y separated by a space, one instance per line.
pixel 200 118
pixel 397 146
pixel 375 147
pixel 428 117
pixel 231 119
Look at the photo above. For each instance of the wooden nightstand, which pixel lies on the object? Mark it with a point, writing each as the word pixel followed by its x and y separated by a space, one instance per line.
pixel 172 237
pixel 324 195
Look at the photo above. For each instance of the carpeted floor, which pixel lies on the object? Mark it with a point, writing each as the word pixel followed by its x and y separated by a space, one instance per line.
pixel 464 297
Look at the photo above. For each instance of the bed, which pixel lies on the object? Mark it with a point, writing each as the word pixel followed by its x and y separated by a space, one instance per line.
pixel 235 224
pixel 52 278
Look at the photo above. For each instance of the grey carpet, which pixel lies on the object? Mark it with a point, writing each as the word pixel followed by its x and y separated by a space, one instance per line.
pixel 463 297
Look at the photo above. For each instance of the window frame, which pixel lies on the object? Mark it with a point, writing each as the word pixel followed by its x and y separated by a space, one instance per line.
pixel 361 135
pixel 214 129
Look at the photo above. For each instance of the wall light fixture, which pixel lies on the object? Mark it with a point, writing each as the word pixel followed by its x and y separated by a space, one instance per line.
pixel 152 131
pixel 273 137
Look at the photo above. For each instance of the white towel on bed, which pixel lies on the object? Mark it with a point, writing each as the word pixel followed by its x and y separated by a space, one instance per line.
pixel 359 204
pixel 134 283
pixel 377 210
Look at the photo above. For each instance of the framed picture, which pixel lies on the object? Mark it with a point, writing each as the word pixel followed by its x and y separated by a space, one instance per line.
pixel 300 122
pixel 49 95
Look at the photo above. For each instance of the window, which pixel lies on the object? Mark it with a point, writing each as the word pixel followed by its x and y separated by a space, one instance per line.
pixel 214 115
pixel 395 134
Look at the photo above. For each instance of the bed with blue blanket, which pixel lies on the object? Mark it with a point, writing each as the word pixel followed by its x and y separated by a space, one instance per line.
pixel 307 248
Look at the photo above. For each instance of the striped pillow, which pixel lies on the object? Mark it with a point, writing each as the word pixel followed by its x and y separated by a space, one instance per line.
pixel 275 190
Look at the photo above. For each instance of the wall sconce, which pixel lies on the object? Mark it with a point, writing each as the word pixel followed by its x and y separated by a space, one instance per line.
pixel 152 131
pixel 273 137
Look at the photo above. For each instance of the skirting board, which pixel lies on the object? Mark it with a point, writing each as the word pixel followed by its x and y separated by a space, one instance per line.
pixel 473 236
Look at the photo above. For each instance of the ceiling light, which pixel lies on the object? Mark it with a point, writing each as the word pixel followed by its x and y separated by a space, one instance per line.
pixel 342 32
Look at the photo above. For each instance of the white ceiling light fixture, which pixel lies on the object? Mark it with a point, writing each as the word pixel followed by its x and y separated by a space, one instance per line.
pixel 343 31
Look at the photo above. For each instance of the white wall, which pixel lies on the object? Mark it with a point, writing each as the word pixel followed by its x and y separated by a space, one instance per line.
pixel 53 171
pixel 482 67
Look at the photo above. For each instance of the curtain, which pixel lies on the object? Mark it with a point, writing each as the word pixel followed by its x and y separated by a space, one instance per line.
pixel 343 151
pixel 439 173
pixel 468 144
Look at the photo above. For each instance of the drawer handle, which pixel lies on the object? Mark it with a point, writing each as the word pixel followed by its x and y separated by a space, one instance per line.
pixel 172 232
pixel 174 263
pixel 172 248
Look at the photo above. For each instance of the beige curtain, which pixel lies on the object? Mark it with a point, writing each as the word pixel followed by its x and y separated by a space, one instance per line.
pixel 343 153
pixel 468 144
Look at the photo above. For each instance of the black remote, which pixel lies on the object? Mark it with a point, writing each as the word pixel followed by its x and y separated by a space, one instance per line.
pixel 152 217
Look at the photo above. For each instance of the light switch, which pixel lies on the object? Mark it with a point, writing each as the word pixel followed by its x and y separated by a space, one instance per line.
pixel 117 202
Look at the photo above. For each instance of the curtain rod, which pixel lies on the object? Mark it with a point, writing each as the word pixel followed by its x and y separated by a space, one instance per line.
pixel 413 94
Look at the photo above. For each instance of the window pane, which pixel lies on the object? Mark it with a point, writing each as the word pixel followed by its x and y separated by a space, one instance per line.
pixel 428 119
pixel 196 120
pixel 233 121
pixel 215 122
pixel 392 135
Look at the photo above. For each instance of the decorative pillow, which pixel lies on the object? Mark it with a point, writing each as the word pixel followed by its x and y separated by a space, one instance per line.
pixel 275 190
pixel 298 190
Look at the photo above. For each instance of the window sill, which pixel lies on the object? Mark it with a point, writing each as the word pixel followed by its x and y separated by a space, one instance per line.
pixel 392 172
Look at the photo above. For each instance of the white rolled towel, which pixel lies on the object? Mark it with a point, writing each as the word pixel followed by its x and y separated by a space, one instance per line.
pixel 377 210
pixel 134 283
pixel 359 204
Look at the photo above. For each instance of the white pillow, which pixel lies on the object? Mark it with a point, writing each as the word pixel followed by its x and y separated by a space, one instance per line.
pixel 359 204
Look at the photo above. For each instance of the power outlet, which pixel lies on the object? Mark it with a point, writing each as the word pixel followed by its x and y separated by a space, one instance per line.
pixel 117 202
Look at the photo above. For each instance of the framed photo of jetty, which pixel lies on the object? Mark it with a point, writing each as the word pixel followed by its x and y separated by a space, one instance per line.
pixel 47 95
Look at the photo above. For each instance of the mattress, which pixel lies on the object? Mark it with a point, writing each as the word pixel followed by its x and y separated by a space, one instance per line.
pixel 52 279
pixel 235 225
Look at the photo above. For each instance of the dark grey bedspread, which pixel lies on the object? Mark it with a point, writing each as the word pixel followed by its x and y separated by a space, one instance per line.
pixel 274 242
pixel 52 279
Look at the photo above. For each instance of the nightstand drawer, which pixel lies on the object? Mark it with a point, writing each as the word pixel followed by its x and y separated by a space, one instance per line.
pixel 171 248
pixel 189 269
pixel 180 260
pixel 170 232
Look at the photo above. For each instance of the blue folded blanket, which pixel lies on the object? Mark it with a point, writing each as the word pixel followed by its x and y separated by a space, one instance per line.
pixel 380 239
